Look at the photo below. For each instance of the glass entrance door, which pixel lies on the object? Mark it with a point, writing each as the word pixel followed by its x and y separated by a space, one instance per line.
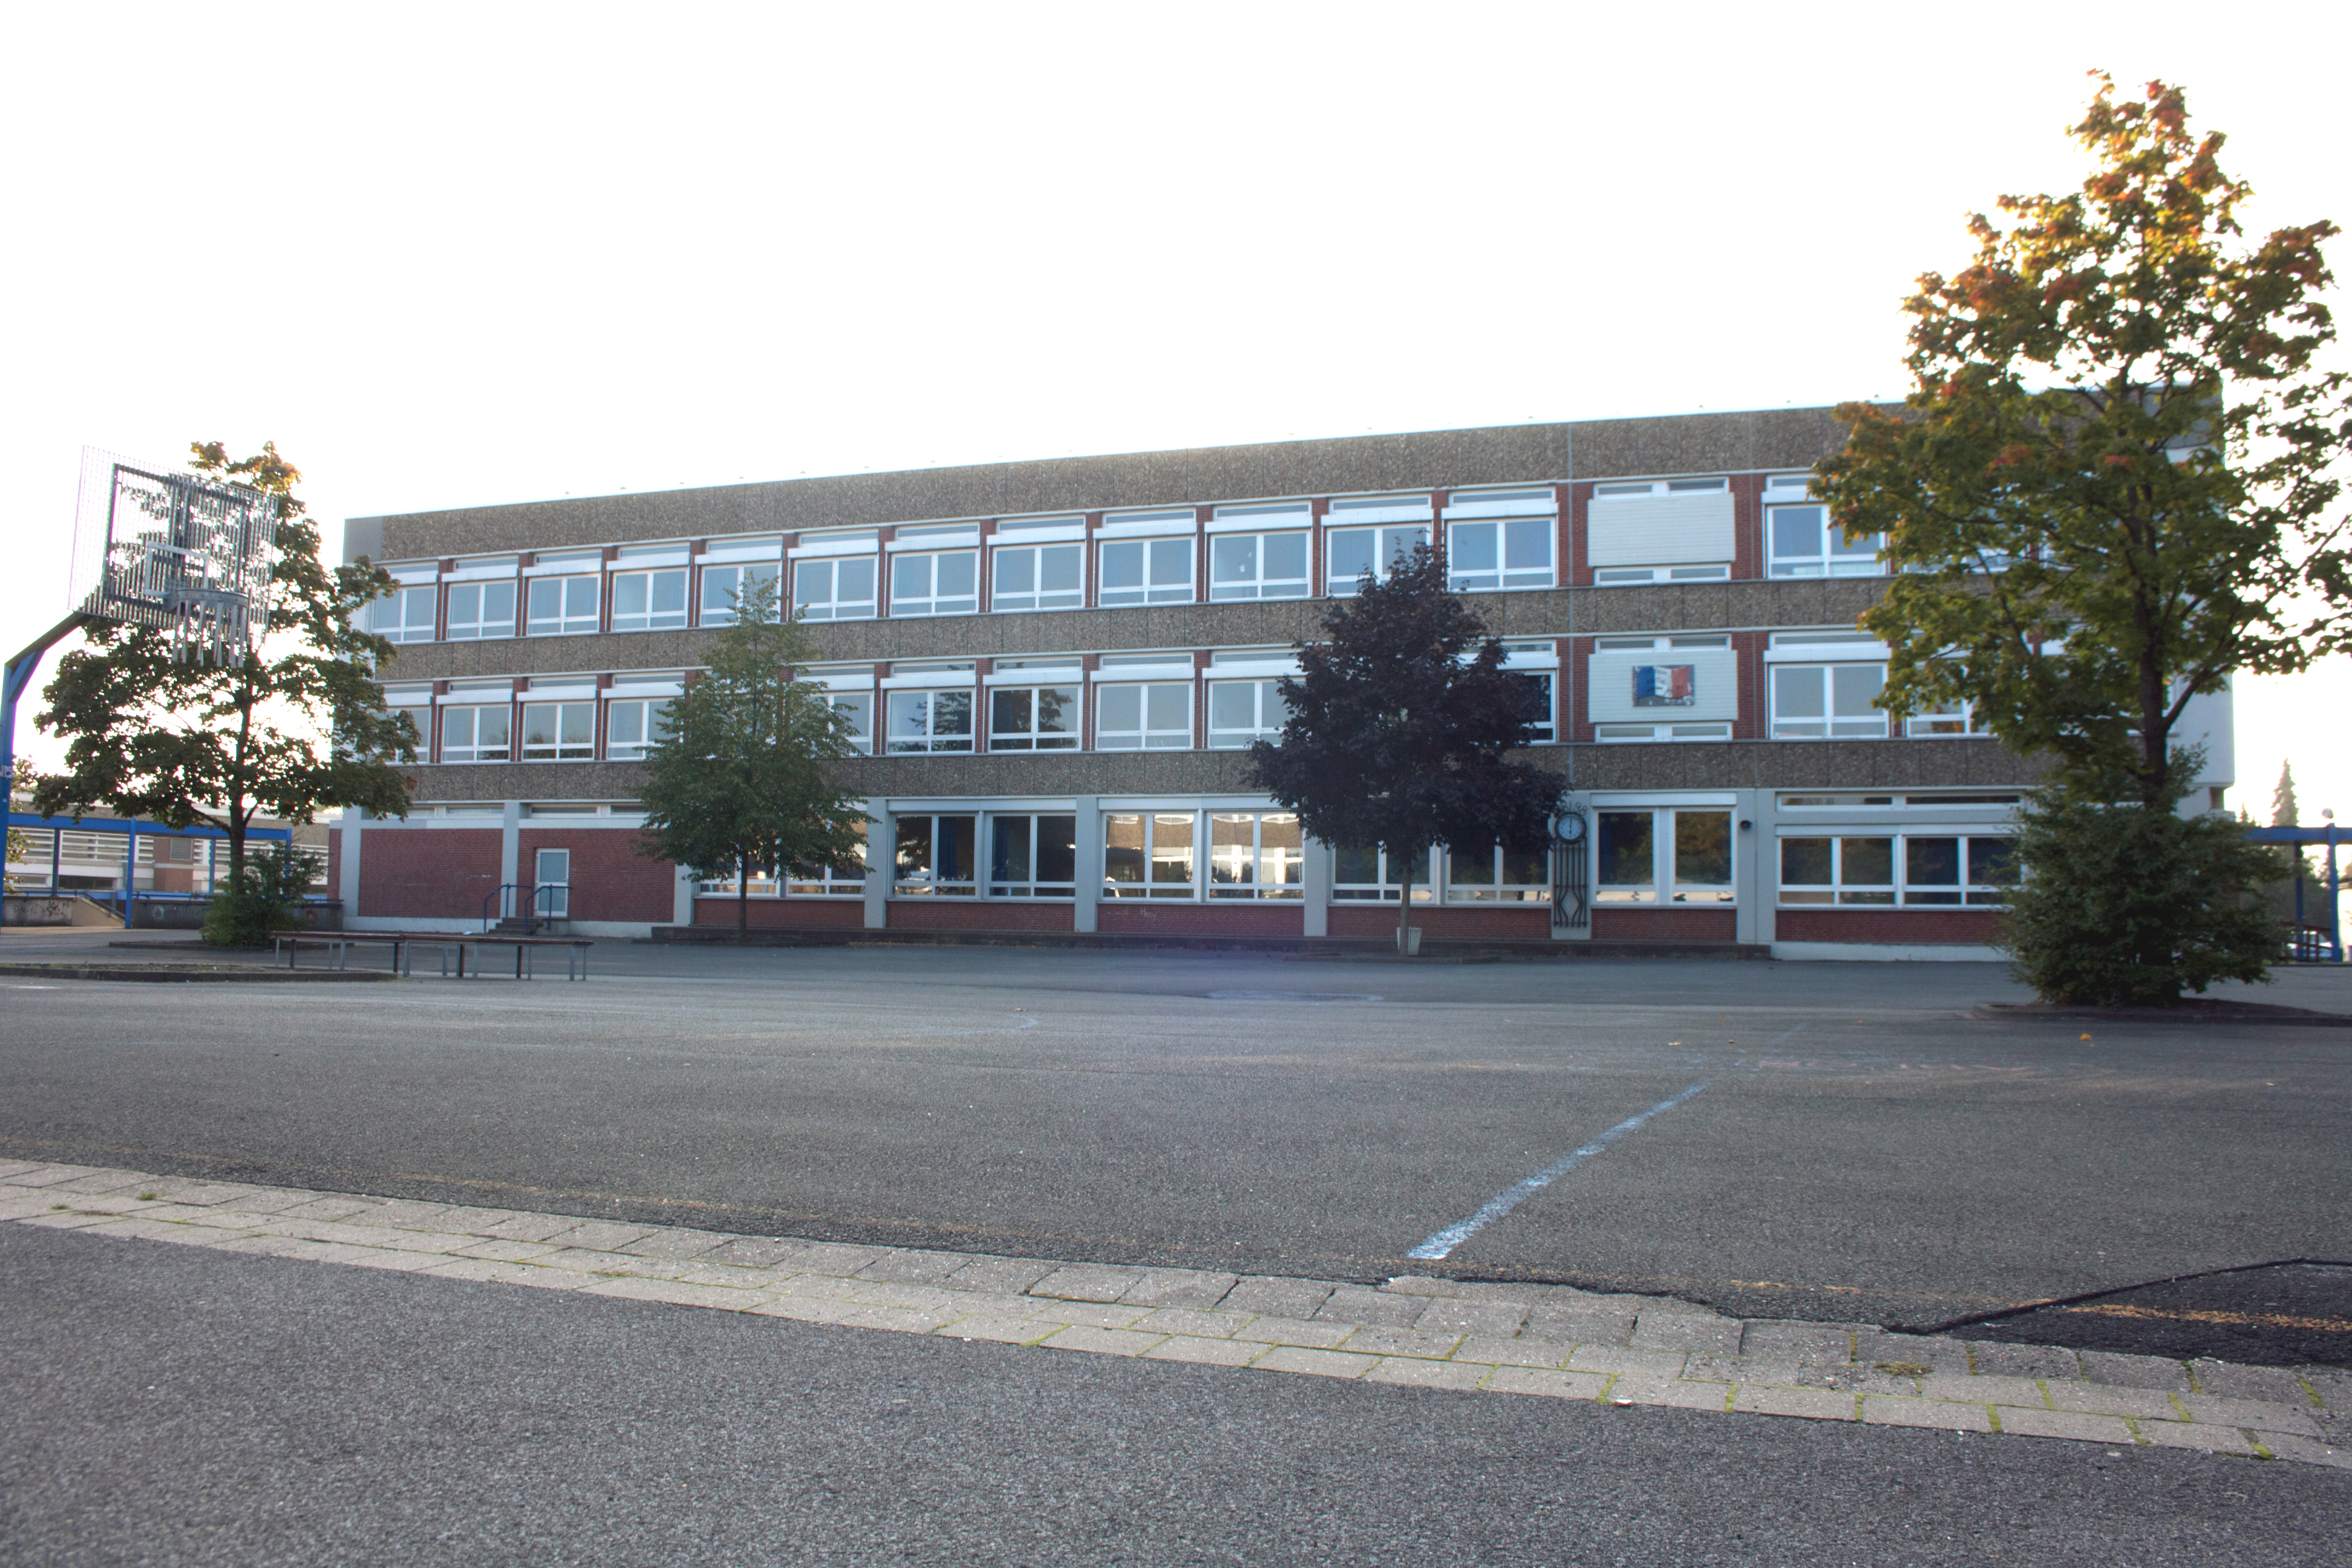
pixel 552 899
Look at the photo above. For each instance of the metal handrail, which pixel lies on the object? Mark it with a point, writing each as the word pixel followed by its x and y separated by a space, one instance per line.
pixel 530 904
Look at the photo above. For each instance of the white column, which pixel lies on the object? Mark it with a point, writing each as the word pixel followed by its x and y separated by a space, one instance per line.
pixel 881 857
pixel 510 845
pixel 1089 863
pixel 682 899
pixel 1759 869
pixel 348 888
pixel 1318 867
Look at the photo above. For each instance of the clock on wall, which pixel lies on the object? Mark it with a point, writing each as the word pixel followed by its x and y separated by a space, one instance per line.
pixel 1568 827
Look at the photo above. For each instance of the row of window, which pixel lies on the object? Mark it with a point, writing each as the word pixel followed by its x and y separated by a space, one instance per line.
pixel 1667 855
pixel 1483 555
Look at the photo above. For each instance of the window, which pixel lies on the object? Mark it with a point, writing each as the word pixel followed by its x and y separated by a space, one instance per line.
pixel 1033 857
pixel 1149 855
pixel 1350 552
pixel 1364 873
pixel 634 723
pixel 1257 566
pixel 1510 552
pixel 475 734
pixel 1959 719
pixel 1146 571
pixel 1144 718
pixel 930 721
pixel 1805 544
pixel 1255 855
pixel 834 588
pixel 935 857
pixel 1676 854
pixel 1032 719
pixel 406 616
pixel 562 605
pixel 1241 712
pixel 1498 876
pixel 1660 530
pixel 818 881
pixel 649 601
pixel 1663 689
pixel 559 731
pixel 1538 685
pixel 1828 702
pixel 1038 577
pixel 1916 870
pixel 856 710
pixel 935 583
pixel 723 586
pixel 478 610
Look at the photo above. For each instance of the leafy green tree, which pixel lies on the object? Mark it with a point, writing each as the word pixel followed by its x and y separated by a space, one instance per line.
pixel 739 782
pixel 1400 725
pixel 2112 484
pixel 2131 902
pixel 297 727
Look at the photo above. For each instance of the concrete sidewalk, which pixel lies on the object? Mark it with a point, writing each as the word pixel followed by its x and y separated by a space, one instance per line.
pixel 1542 1341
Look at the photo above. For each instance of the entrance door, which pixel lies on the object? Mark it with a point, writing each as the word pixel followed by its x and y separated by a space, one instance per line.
pixel 552 899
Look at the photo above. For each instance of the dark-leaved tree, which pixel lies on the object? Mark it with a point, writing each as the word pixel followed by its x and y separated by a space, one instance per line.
pixel 1401 727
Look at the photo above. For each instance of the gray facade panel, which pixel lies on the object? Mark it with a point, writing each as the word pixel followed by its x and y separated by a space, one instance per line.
pixel 1705 443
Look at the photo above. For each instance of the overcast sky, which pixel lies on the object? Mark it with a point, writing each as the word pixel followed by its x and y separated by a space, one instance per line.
pixel 447 256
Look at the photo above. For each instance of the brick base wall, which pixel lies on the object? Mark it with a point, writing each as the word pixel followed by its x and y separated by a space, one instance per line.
pixel 1446 921
pixel 610 880
pixel 1720 924
pixel 1981 927
pixel 970 914
pixel 436 873
pixel 783 914
pixel 1142 917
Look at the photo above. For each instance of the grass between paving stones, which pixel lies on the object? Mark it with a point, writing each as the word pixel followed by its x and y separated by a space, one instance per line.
pixel 1549 1341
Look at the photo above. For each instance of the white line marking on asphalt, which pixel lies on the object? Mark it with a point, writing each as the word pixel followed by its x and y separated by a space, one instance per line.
pixel 1453 1235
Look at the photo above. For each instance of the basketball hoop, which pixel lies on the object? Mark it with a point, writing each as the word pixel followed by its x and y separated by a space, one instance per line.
pixel 179 553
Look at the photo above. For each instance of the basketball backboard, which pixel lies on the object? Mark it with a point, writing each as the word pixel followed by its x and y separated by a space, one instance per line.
pixel 181 553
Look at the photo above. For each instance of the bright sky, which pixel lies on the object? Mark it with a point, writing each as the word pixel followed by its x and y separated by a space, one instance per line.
pixel 451 254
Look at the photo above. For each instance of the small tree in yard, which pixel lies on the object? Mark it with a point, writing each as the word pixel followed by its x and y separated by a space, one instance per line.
pixel 295 728
pixel 1399 725
pixel 2111 487
pixel 738 783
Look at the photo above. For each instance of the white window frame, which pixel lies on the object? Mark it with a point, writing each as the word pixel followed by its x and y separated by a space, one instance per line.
pixel 1156 557
pixel 1031 561
pixel 1148 737
pixel 932 566
pixel 930 704
pixel 857 708
pixel 1347 889
pixel 568 714
pixel 833 568
pixel 646 718
pixel 1466 882
pixel 723 580
pixel 395 616
pixel 473 751
pixel 1155 828
pixel 1255 855
pixel 1623 731
pixel 1898 890
pixel 480 627
pixel 1666 885
pixel 650 581
pixel 1787 493
pixel 1267 713
pixel 1390 541
pixel 1507 537
pixel 927 883
pixel 1831 685
pixel 1026 827
pixel 1958 722
pixel 802 882
pixel 1258 584
pixel 1034 739
pixel 571 617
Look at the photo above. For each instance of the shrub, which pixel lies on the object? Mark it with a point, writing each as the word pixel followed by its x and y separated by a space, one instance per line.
pixel 266 898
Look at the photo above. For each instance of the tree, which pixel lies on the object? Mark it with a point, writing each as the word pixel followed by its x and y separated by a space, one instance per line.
pixel 298 726
pixel 738 780
pixel 2111 484
pixel 1399 725
pixel 2283 803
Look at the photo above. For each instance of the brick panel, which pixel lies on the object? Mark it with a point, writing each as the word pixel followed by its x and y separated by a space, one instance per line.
pixel 335 862
pixel 1979 926
pixel 783 914
pixel 1143 918
pixel 610 880
pixel 1747 526
pixel 1450 922
pixel 970 914
pixel 427 873
pixel 1665 925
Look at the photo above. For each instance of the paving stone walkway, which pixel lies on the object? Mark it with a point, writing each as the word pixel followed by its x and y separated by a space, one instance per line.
pixel 1545 1341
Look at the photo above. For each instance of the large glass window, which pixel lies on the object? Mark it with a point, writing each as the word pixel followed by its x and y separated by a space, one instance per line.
pixel 649 601
pixel 1916 869
pixel 1680 854
pixel 1349 552
pixel 559 731
pixel 1037 577
pixel 478 610
pixel 406 616
pixel 477 734
pixel 822 881
pixel 856 710
pixel 930 721
pixel 1806 544
pixel 1538 684
pixel 935 583
pixel 1498 876
pixel 1959 718
pixel 935 857
pixel 1154 716
pixel 1257 566
pixel 722 586
pixel 1823 702
pixel 1363 872
pixel 1033 857
pixel 1149 855
pixel 1146 571
pixel 1255 855
pixel 834 588
pixel 634 723
pixel 562 605
pixel 1242 711
pixel 1032 719
pixel 1509 552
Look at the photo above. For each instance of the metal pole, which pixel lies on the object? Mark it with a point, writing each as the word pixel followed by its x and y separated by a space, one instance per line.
pixel 2334 901
pixel 131 878
pixel 16 676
